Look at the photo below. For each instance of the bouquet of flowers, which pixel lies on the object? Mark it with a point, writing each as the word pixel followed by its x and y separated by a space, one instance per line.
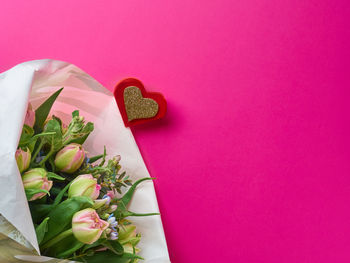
pixel 79 197
pixel 73 197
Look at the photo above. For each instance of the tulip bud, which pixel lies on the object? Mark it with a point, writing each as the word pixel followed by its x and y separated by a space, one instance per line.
pixel 30 116
pixel 87 226
pixel 84 185
pixel 23 159
pixel 98 203
pixel 70 158
pixel 36 179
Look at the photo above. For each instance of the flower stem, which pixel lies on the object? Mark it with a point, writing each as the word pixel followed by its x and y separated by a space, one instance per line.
pixel 46 157
pixel 57 238
pixel 37 150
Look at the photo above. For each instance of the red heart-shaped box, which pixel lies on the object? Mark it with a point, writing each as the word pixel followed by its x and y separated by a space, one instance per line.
pixel 119 97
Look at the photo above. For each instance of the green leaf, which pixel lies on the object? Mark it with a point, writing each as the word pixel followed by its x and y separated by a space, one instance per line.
pixel 41 230
pixel 54 140
pixel 27 133
pixel 51 175
pixel 93 245
pixel 31 192
pixel 64 248
pixel 104 156
pixel 75 113
pixel 129 213
pixel 85 132
pixel 110 257
pixel 114 246
pixel 42 134
pixel 95 158
pixel 43 111
pixel 67 247
pixel 61 215
pixel 61 194
pixel 57 119
pixel 125 200
pixel 39 211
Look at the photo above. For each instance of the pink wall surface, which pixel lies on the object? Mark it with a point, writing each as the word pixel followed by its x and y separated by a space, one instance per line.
pixel 252 160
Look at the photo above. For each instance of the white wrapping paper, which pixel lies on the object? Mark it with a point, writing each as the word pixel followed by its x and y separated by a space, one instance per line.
pixel 35 81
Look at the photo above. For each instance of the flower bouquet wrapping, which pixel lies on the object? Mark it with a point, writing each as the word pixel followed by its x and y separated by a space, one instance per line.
pixel 73 183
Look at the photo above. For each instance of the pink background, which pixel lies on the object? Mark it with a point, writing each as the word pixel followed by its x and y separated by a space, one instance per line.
pixel 252 159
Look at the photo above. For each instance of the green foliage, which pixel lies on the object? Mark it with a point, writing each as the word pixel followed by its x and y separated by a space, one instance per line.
pixel 110 257
pixel 66 247
pixel 114 246
pixel 95 158
pixel 55 140
pixel 39 211
pixel 51 175
pixel 77 131
pixel 61 194
pixel 43 111
pixel 27 134
pixel 41 230
pixel 125 200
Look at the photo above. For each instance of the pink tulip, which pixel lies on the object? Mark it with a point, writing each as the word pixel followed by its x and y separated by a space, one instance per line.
pixel 87 226
pixel 30 116
pixel 84 185
pixel 36 179
pixel 23 159
pixel 70 158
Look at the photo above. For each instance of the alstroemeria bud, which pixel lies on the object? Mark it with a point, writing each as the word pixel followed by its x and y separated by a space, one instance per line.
pixel 36 179
pixel 30 116
pixel 87 226
pixel 23 159
pixel 70 158
pixel 84 185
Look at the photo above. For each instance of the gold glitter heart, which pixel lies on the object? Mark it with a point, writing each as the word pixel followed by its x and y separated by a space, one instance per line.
pixel 138 107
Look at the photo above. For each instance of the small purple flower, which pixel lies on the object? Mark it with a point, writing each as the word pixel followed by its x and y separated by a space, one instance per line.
pixel 113 235
pixel 113 223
